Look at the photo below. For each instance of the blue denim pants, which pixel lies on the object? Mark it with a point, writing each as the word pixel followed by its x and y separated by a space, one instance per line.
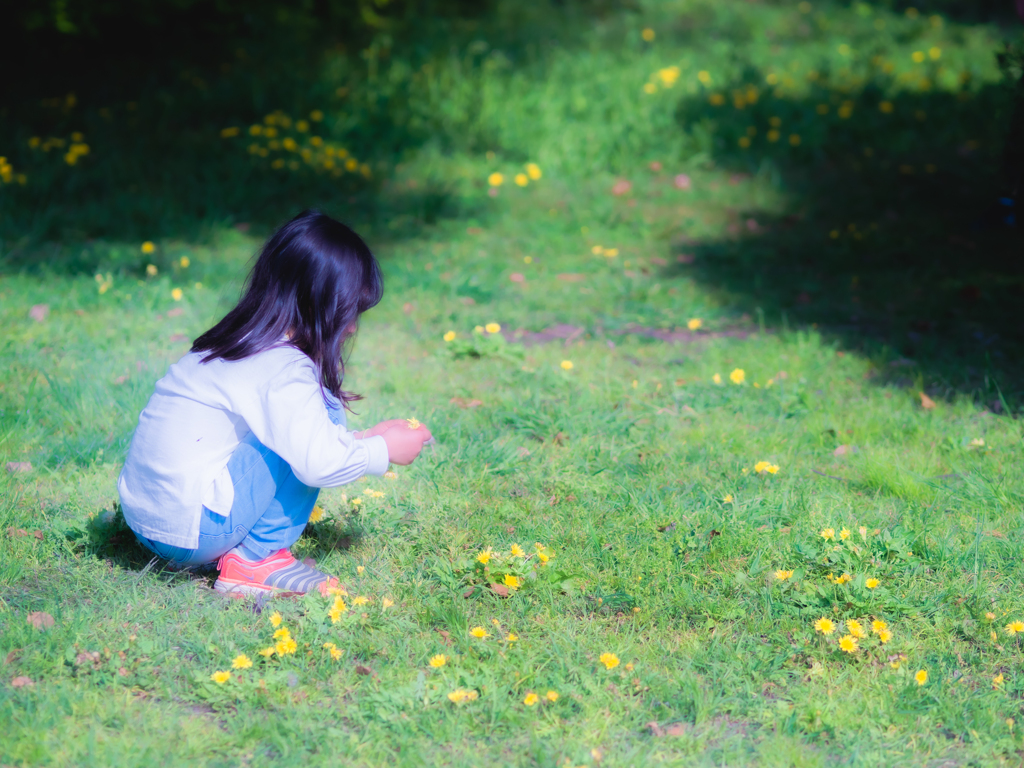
pixel 270 510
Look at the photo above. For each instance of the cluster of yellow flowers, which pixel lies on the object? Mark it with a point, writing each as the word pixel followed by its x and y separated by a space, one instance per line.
pixel 532 698
pixel 482 634
pixel 302 146
pixel 7 174
pixel 738 375
pixel 461 696
pixel 763 467
pixel 530 173
pixel 284 645
pixel 665 77
pixel 849 643
pixel 76 149
pixel 491 328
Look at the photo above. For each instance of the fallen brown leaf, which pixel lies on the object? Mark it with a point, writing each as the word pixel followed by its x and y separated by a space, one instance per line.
pixel 13 467
pixel 16 533
pixel 21 681
pixel 88 657
pixel 39 312
pixel 465 402
pixel 12 655
pixel 842 450
pixel 621 187
pixel 40 620
pixel 176 312
pixel 673 729
pixel 500 590
pixel 926 402
pixel 361 670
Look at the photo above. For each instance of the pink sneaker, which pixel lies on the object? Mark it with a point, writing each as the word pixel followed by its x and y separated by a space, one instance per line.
pixel 280 572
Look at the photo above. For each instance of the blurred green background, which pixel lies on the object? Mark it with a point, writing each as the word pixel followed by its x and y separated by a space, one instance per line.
pixel 873 133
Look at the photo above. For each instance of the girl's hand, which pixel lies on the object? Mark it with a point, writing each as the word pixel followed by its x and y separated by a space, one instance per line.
pixel 379 429
pixel 405 444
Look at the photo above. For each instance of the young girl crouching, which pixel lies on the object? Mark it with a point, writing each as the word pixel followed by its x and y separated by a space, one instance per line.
pixel 239 436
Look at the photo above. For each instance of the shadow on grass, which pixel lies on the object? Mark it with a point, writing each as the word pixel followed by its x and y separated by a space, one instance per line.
pixel 888 242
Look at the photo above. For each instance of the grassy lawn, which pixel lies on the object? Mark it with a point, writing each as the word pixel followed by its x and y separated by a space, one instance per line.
pixel 756 367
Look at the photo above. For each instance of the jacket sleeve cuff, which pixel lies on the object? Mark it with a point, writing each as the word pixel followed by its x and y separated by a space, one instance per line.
pixel 377 450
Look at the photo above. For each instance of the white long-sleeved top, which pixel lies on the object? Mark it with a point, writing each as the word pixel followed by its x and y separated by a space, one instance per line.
pixel 198 415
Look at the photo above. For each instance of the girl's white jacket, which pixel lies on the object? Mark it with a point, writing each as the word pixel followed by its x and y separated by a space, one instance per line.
pixel 200 412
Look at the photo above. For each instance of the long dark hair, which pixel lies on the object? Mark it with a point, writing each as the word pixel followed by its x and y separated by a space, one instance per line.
pixel 312 280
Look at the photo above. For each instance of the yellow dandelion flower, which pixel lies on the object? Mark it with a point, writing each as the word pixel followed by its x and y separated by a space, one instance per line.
pixel 992 636
pixel 921 676
pixel 990 616
pixel 512 582
pixel 885 636
pixel 998 680
pixel 872 583
pixel 773 135
pixel 484 557
pixel 220 677
pixel 917 56
pixel 282 632
pixel 533 171
pixel 844 534
pixel 391 475
pixel 531 699
pixel 694 323
pixel 438 660
pixel 717 378
pixel 336 653
pixel 828 534
pixel 495 179
pixel 863 531
pixel 610 660
pixel 567 365
pixel 148 247
pixel 794 139
pixel 479 632
pixel 844 578
pixel 361 600
pixel 521 179
pixel 387 602
pixel 359 568
pixel 511 637
pixel 737 376
pixel 241 661
pixel 854 628
pixel 275 619
pixel 267 652
pixel 317 514
pixel 184 262
pixel 772 469
pixel 650 88
pixel 727 499
pixel 412 424
pixel 286 646
pixel 492 328
pixel 176 294
pixel 886 106
pixel 647 34
pixel 450 336
pixel 878 625
pixel 1014 627
pixel 782 575
pixel 551 695
pixel 704 76
pixel 825 626
pixel 848 644
pixel 517 551
pixel 716 99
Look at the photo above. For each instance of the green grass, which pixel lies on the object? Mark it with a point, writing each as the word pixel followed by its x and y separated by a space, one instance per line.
pixel 622 464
